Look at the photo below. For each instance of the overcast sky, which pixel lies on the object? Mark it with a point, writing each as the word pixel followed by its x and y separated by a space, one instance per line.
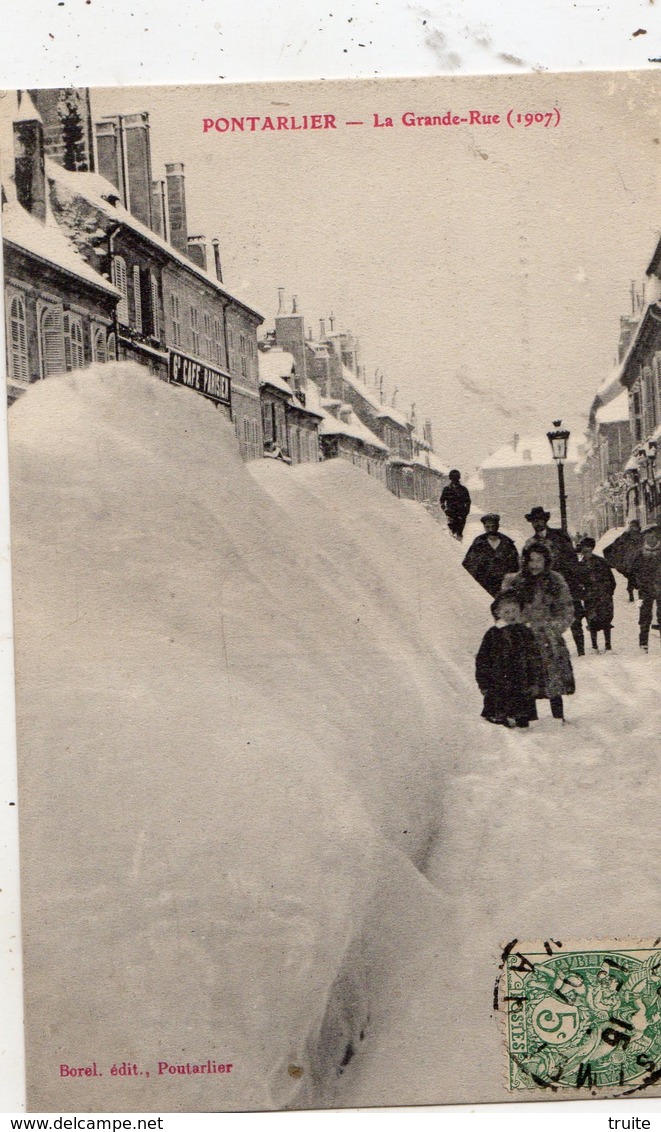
pixel 483 268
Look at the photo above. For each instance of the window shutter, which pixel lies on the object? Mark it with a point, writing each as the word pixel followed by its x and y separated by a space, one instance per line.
pixel 52 342
pixel 137 298
pixel 67 343
pixel 19 341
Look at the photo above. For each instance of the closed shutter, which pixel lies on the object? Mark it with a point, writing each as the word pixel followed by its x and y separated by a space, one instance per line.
pixel 155 319
pixel 137 298
pixel 99 345
pixel 77 348
pixel 120 281
pixel 18 341
pixel 52 343
pixel 66 320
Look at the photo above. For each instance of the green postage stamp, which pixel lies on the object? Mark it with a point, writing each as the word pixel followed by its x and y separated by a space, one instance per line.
pixel 582 1015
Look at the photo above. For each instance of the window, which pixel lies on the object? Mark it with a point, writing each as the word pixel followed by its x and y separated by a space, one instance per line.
pixel 155 308
pixel 242 351
pixel 208 339
pixel 18 341
pixel 137 298
pixel 99 347
pixel 112 347
pixel 194 331
pixel 217 341
pixel 74 352
pixel 52 342
pixel 119 279
pixel 176 319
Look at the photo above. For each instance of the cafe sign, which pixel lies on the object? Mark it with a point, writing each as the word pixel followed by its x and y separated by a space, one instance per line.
pixel 205 380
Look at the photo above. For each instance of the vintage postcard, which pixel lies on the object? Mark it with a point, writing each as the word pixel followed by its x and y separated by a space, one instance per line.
pixel 335 504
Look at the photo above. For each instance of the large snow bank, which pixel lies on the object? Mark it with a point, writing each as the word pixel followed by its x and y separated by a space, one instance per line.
pixel 239 694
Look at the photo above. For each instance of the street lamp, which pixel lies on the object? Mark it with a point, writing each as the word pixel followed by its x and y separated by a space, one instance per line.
pixel 558 441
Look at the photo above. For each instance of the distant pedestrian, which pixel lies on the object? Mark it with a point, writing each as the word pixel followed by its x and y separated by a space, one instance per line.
pixel 646 568
pixel 547 608
pixel 598 589
pixel 621 553
pixel 565 561
pixel 491 556
pixel 507 666
pixel 456 503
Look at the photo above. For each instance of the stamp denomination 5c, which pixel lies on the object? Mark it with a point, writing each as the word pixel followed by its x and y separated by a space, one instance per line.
pixel 582 1016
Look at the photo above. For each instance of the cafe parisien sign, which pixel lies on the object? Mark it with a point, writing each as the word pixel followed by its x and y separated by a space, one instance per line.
pixel 210 382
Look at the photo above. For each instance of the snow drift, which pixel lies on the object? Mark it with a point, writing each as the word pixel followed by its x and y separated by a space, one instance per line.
pixel 236 703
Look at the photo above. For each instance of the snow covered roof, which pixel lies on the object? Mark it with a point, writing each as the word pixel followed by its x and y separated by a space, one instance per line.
pixel 98 191
pixel 275 366
pixel 529 450
pixel 26 111
pixel 370 396
pixel 353 428
pixel 436 465
pixel 615 410
pixel 49 243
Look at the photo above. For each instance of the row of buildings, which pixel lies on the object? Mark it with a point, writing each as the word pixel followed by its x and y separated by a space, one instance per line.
pixel 100 266
pixel 613 473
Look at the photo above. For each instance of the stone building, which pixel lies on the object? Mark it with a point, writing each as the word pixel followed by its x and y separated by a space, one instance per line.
pixel 291 414
pixel 59 310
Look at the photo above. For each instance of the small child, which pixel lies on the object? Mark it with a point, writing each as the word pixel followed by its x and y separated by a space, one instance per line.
pixel 507 666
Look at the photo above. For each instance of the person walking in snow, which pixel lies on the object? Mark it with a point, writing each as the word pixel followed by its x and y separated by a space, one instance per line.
pixel 564 560
pixel 491 556
pixel 646 568
pixel 598 588
pixel 507 666
pixel 456 503
pixel 621 553
pixel 547 607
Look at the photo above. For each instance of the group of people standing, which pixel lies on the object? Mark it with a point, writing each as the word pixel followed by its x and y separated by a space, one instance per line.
pixel 550 588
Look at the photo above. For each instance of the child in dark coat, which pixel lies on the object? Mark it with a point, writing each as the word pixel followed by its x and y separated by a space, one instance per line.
pixel 507 666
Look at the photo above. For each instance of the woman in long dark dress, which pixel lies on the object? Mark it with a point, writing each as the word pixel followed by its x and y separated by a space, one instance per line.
pixel 548 608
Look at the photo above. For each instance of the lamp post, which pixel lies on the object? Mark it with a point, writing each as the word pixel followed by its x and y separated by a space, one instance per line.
pixel 558 440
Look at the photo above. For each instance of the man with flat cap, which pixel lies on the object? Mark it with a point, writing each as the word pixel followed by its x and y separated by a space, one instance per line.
pixel 491 556
pixel 564 560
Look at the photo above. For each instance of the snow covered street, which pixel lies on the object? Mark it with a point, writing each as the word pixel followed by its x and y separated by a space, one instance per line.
pixel 262 819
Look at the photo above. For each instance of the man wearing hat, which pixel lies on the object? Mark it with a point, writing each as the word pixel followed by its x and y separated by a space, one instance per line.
pixel 456 502
pixel 598 588
pixel 565 561
pixel 491 556
pixel 646 568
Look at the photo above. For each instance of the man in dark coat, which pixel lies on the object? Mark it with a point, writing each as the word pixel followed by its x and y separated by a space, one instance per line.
pixel 646 568
pixel 491 556
pixel 598 588
pixel 564 560
pixel 621 553
pixel 456 502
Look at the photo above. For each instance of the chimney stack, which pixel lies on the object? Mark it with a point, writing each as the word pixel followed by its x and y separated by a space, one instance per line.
pixel 428 432
pixel 197 251
pixel 281 300
pixel 124 150
pixel 30 171
pixel 294 307
pixel 108 153
pixel 216 257
pixel 174 173
pixel 158 211
pixel 322 329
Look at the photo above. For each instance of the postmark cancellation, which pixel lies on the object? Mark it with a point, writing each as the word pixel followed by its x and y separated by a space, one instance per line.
pixel 581 1017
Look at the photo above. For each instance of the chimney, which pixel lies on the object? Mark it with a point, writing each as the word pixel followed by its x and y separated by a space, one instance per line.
pixel 138 165
pixel 29 159
pixel 515 441
pixel 322 329
pixel 111 165
pixel 281 300
pixel 290 336
pixel 294 306
pixel 197 251
pixel 174 173
pixel 331 319
pixel 428 433
pixel 158 212
pixel 216 259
